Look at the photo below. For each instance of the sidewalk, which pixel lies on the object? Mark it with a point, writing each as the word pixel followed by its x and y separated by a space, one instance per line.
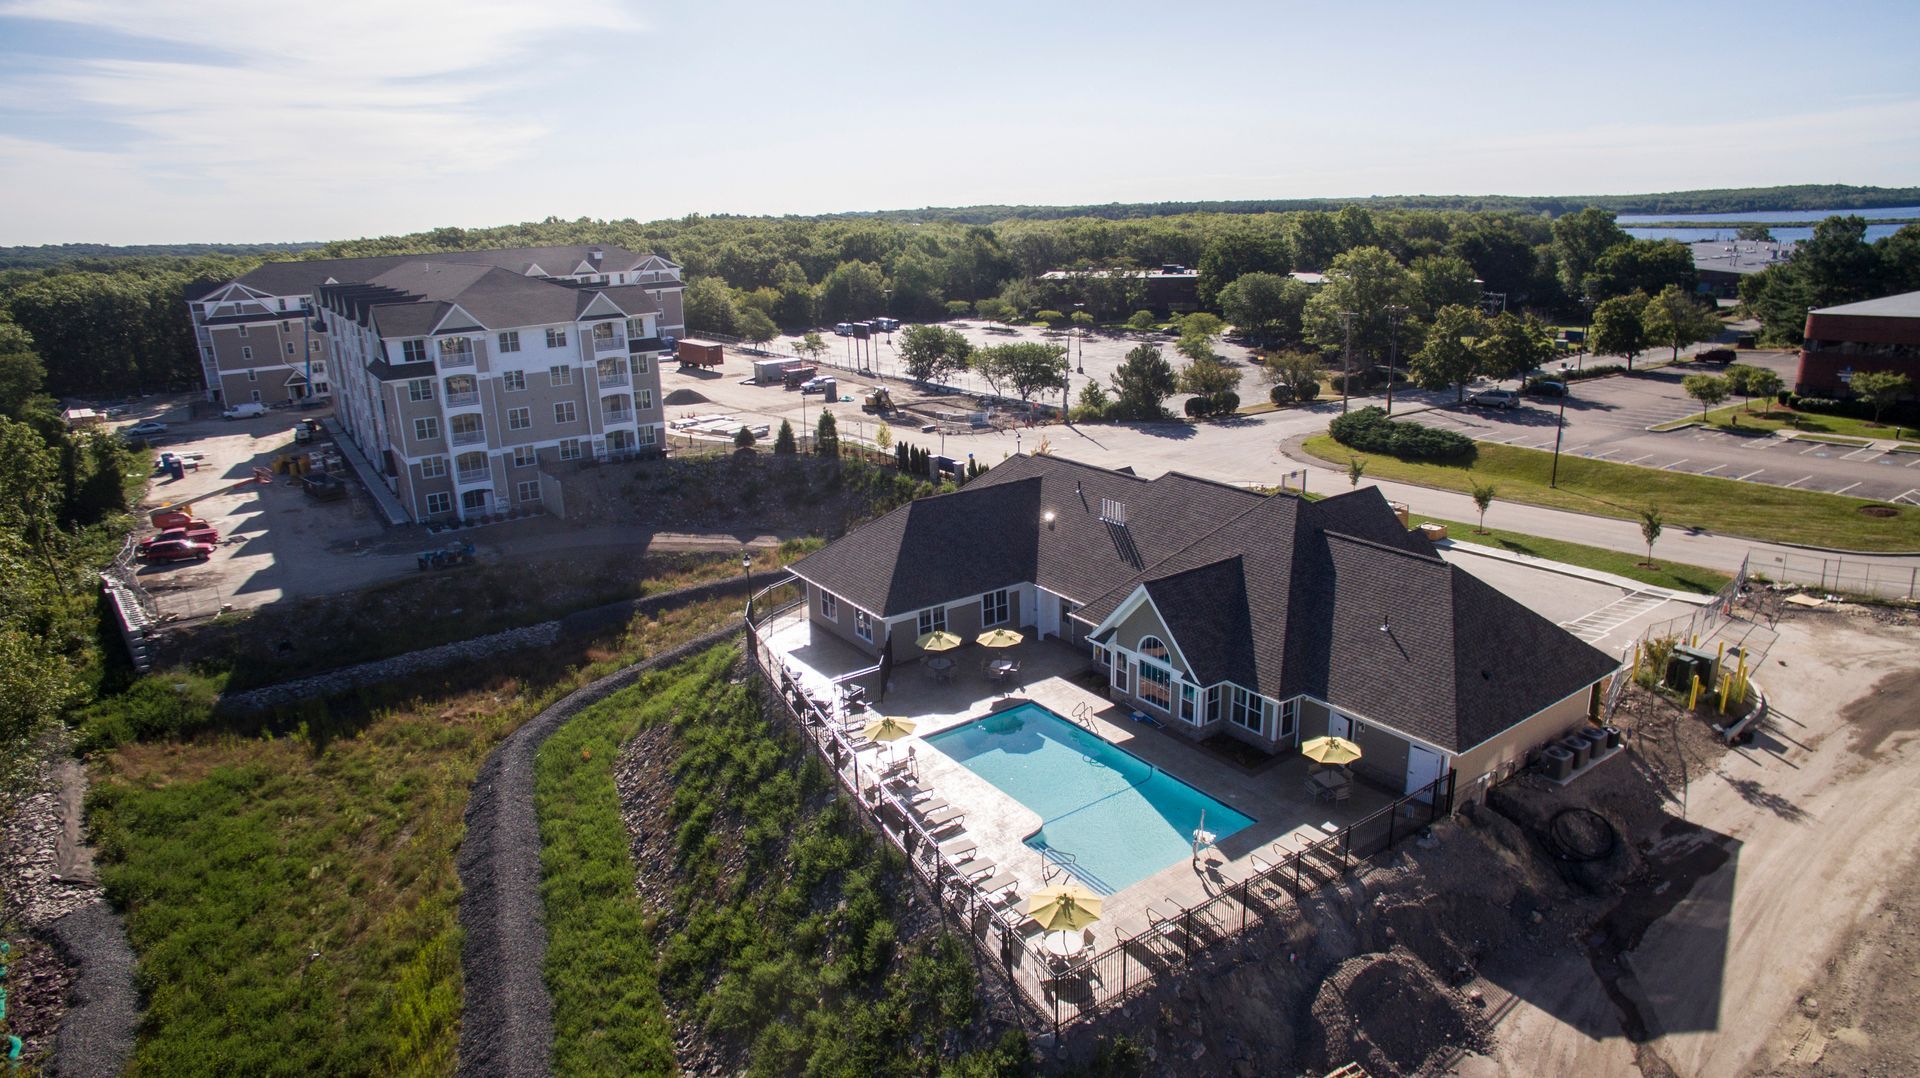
pixel 390 506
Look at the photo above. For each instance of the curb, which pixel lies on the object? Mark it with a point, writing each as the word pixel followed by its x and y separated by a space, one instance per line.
pixel 1579 572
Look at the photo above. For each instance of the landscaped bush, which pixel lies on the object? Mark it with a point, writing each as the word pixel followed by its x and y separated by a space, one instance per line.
pixel 1370 431
pixel 1224 403
pixel 1280 394
pixel 1598 370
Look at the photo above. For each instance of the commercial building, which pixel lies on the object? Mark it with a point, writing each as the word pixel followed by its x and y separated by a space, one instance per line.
pixel 1165 289
pixel 1873 335
pixel 1719 265
pixel 464 376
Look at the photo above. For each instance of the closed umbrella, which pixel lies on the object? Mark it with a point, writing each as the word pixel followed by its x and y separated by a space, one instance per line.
pixel 1063 907
pixel 938 641
pixel 1330 750
pixel 887 729
pixel 998 638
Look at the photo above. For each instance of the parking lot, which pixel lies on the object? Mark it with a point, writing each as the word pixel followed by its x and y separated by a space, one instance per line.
pixel 1607 419
pixel 1608 617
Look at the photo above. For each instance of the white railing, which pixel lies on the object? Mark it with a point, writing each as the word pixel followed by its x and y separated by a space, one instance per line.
pixel 470 437
pixel 457 359
pixel 459 400
pixel 622 415
pixel 609 344
pixel 473 475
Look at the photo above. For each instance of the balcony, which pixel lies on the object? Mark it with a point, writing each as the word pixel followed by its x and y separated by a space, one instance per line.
pixel 469 437
pixel 608 381
pixel 463 400
pixel 463 358
pixel 615 343
pixel 467 476
pixel 617 415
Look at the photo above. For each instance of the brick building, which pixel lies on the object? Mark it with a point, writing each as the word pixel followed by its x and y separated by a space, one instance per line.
pixel 1872 335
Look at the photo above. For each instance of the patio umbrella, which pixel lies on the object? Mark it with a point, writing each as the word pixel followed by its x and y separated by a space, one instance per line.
pixel 998 638
pixel 1330 750
pixel 887 729
pixel 1063 907
pixel 938 641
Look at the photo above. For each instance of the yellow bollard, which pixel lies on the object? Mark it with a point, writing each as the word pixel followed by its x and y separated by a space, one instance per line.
pixel 1740 675
pixel 1693 698
pixel 1726 686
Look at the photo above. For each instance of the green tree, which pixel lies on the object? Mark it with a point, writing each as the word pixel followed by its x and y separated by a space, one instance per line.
pixel 1366 281
pixel 1579 239
pixel 1483 500
pixel 1356 468
pixel 1082 322
pixel 755 327
pixel 1297 371
pixel 1092 404
pixel 1511 346
pixel 995 309
pixel 1756 233
pixel 1760 382
pixel 826 435
pixel 1142 383
pixel 783 440
pixel 1140 320
pixel 1642 266
pixel 1881 389
pixel 958 308
pixel 21 376
pixel 1449 356
pixel 1266 306
pixel 1051 318
pixel 1673 318
pixel 708 305
pixel 1201 324
pixel 883 437
pixel 1651 523
pixel 36 685
pixel 1436 281
pixel 1027 367
pixel 744 437
pixel 1618 329
pixel 811 345
pixel 1208 377
pixel 853 290
pixel 931 352
pixel 1708 389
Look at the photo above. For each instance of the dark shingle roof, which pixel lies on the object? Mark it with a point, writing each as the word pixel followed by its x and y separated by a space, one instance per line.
pixel 1277 593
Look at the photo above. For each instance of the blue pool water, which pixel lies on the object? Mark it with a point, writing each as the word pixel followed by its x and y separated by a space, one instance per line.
pixel 1115 818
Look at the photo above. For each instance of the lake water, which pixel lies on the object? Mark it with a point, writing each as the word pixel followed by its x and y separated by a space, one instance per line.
pixel 1627 221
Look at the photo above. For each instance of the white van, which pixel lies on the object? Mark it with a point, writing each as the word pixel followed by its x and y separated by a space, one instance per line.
pixel 249 410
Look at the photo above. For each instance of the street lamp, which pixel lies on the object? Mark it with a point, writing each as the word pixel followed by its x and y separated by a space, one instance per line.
pixel 1559 429
pixel 746 566
pixel 1080 348
pixel 1346 359
pixel 1394 311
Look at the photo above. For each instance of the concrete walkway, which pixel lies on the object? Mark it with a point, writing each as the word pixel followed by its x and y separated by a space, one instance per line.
pixel 390 506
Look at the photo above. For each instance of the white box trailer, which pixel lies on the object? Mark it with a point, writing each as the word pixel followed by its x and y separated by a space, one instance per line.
pixel 772 371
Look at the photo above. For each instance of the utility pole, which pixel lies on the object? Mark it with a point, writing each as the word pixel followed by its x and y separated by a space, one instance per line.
pixel 1346 359
pixel 1394 311
pixel 1560 427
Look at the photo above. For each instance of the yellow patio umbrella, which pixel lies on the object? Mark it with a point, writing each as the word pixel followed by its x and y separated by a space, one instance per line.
pixel 938 641
pixel 1330 750
pixel 998 638
pixel 1063 907
pixel 887 729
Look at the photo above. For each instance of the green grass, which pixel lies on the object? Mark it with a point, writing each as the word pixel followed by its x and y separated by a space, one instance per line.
pixel 1738 419
pixel 290 891
pixel 1753 510
pixel 780 938
pixel 1666 574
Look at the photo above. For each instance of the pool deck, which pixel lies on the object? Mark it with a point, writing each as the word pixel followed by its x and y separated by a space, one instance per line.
pixel 1285 815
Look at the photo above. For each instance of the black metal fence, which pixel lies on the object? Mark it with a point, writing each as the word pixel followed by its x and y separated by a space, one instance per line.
pixel 1068 990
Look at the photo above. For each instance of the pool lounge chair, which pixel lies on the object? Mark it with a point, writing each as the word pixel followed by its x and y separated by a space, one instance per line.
pixel 958 848
pixel 974 867
pixel 945 816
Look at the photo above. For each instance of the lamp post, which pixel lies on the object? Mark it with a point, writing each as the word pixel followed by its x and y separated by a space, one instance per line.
pixel 1346 359
pixel 1559 428
pixel 1394 311
pixel 746 567
pixel 1080 348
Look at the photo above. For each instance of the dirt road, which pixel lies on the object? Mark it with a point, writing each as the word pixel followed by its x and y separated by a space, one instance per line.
pixel 1811 827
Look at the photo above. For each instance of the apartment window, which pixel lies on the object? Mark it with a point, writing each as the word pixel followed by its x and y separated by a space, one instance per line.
pixel 636 327
pixel 564 412
pixel 556 338
pixel 510 341
pixel 439 502
pixel 313 346
pixel 243 331
pixel 519 418
pixel 829 606
pixel 994 608
pixel 641 364
pixel 420 389
pixel 426 428
pixel 1248 711
pixel 414 351
pixel 433 467
pixel 1212 699
pixel 246 352
pixel 514 381
pixel 644 398
pixel 646 436
pixel 290 349
pixel 863 626
pixel 1152 648
pixel 525 456
pixel 319 366
pixel 1156 684
pixel 527 490
pixel 320 389
pixel 569 449
pixel 933 621
pixel 560 376
pixel 1289 719
pixel 256 396
pixel 285 327
pixel 1189 704
pixel 473 500
pixel 253 375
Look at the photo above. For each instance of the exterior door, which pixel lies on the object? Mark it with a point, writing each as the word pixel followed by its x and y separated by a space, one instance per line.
pixel 1423 768
pixel 1049 615
pixel 1337 725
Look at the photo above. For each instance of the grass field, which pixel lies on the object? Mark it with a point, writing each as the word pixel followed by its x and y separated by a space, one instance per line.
pixel 782 938
pixel 1666 574
pixel 292 898
pixel 1738 419
pixel 1753 510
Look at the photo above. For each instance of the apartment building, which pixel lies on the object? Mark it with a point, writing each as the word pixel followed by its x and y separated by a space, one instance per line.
pixel 462 376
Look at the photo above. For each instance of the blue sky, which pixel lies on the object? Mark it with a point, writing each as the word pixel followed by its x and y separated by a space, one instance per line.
pixel 150 121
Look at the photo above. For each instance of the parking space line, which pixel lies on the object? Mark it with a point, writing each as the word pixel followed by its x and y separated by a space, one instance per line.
pixel 1908 497
pixel 1848 487
pixel 1798 481
pixel 1675 464
pixel 1814 448
pixel 1578 448
pixel 1750 474
pixel 1870 452
pixel 1603 454
pixel 1710 471
pixel 1637 459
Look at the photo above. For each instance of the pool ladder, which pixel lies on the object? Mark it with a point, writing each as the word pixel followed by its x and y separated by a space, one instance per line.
pixel 1054 864
pixel 1082 716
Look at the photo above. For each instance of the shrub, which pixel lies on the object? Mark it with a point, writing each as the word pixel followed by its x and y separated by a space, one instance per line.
pixel 1598 370
pixel 1226 402
pixel 1369 430
pixel 1280 394
pixel 1199 407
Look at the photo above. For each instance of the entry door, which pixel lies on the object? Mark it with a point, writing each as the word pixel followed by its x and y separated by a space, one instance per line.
pixel 1049 615
pixel 1423 768
pixel 1338 726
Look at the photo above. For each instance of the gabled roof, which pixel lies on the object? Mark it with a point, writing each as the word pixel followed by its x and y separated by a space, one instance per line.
pixel 1332 599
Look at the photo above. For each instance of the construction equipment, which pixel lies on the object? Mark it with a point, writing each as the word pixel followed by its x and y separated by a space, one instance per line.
pixel 446 557
pixel 878 400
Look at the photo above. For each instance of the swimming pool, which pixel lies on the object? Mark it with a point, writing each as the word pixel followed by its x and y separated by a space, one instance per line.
pixel 1109 817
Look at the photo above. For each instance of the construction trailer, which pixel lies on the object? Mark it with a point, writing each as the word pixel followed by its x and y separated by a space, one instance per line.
pixel 698 353
pixel 768 372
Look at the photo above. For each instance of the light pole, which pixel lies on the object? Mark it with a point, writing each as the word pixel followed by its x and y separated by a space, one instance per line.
pixel 746 566
pixel 1080 349
pixel 1394 311
pixel 1346 359
pixel 1559 428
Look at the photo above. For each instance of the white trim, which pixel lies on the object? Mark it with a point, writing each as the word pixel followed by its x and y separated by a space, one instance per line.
pixel 1588 687
pixel 1126 609
pixel 451 311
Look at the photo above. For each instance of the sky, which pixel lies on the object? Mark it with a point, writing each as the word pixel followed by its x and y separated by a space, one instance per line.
pixel 155 121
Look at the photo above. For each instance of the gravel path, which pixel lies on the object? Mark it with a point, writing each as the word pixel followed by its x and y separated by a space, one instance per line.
pixel 506 1027
pixel 96 1036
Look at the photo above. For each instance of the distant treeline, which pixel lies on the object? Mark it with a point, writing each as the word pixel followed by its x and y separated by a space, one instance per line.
pixel 91 255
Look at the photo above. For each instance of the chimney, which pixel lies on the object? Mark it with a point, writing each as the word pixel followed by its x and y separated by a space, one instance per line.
pixel 596 255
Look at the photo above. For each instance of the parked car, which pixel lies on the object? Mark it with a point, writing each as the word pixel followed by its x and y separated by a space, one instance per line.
pixel 843 329
pixel 886 325
pixel 815 385
pixel 178 550
pixel 146 430
pixel 208 535
pixel 1495 398
pixel 1546 387
pixel 249 410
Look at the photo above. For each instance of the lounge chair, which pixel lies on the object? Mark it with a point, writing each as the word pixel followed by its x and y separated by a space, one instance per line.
pixel 942 818
pixel 957 848
pixel 994 885
pixel 974 867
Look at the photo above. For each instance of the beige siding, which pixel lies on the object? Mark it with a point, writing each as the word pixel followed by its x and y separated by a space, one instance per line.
pixel 1508 750
pixel 843 627
pixel 1144 622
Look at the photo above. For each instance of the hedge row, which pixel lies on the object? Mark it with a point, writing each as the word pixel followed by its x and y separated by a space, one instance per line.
pixel 1369 430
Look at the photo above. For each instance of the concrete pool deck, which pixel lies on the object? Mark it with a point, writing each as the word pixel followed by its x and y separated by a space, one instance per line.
pixel 1274 794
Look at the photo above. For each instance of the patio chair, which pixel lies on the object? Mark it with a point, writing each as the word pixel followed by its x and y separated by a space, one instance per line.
pixel 973 868
pixel 958 848
pixel 992 673
pixel 945 817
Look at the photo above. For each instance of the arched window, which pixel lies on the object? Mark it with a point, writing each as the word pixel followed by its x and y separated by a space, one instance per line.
pixel 1156 679
pixel 1152 648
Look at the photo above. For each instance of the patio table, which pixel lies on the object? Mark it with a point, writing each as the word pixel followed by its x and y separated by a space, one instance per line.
pixel 1326 783
pixel 1064 943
